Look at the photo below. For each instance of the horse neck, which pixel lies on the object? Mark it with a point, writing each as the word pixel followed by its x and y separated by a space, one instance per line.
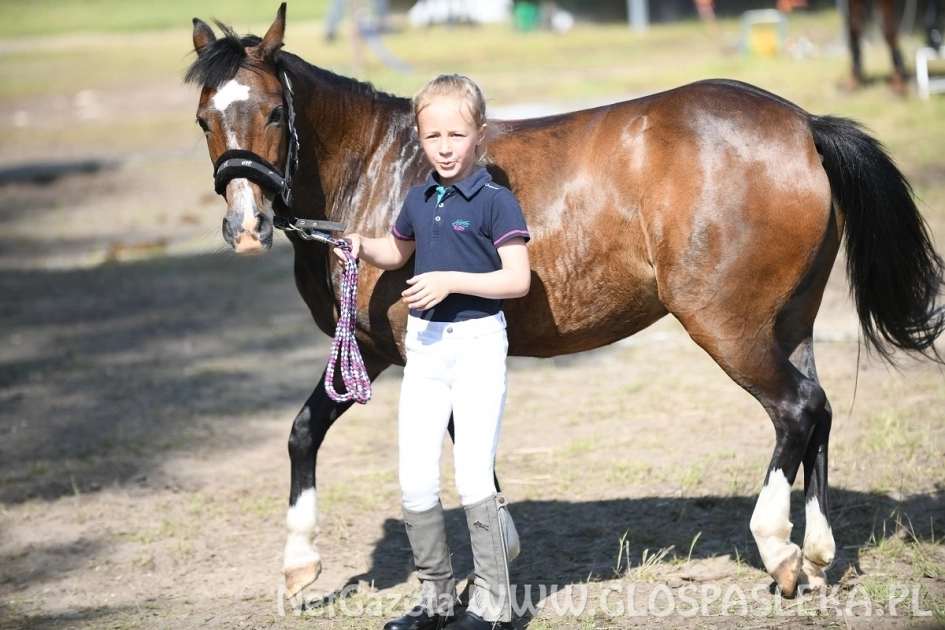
pixel 342 170
pixel 349 129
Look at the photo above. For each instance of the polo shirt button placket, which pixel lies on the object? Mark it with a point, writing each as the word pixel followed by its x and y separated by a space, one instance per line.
pixel 449 329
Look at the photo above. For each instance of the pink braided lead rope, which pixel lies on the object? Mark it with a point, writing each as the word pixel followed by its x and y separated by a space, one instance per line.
pixel 353 373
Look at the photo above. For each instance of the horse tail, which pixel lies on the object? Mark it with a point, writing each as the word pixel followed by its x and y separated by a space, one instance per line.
pixel 896 276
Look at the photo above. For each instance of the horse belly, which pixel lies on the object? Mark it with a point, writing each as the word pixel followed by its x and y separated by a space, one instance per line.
pixel 573 308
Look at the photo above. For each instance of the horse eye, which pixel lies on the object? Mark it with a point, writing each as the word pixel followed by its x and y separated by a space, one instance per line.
pixel 203 124
pixel 276 116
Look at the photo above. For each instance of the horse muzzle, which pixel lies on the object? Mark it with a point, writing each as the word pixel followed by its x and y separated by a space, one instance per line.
pixel 248 226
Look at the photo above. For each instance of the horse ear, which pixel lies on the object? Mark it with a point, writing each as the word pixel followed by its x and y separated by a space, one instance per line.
pixel 203 35
pixel 272 41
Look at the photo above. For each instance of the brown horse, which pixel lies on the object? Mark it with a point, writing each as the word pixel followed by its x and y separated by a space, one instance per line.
pixel 856 21
pixel 717 202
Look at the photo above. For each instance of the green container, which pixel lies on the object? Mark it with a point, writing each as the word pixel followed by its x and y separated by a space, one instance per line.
pixel 526 16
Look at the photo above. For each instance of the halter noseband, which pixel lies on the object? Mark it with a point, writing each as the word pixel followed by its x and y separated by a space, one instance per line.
pixel 240 163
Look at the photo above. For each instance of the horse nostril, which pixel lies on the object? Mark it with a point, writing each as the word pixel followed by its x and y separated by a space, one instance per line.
pixel 264 229
pixel 232 231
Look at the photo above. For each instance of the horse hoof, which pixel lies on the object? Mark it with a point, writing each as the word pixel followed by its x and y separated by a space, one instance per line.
pixel 787 574
pixel 298 577
pixel 812 577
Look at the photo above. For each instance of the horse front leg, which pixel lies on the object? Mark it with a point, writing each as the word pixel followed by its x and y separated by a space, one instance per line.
pixel 302 563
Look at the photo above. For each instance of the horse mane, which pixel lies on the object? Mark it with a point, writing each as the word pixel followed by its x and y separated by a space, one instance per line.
pixel 349 85
pixel 221 59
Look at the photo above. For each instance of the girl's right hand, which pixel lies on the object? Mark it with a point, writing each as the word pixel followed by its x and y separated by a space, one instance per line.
pixel 355 240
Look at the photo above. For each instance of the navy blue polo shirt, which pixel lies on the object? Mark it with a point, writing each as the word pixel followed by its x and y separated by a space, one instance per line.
pixel 458 229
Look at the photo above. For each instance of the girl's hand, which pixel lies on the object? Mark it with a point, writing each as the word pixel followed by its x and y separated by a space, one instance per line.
pixel 355 240
pixel 427 290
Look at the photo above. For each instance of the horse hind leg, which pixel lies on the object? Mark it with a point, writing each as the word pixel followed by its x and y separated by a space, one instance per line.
pixel 819 545
pixel 796 408
pixel 796 405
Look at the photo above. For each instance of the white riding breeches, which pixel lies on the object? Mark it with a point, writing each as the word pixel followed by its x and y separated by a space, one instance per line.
pixel 458 368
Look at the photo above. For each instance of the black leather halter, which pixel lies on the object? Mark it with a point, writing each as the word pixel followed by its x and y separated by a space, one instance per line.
pixel 240 163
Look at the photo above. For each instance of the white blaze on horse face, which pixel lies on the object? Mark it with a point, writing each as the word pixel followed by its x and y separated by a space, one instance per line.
pixel 819 546
pixel 240 194
pixel 771 523
pixel 302 521
pixel 230 93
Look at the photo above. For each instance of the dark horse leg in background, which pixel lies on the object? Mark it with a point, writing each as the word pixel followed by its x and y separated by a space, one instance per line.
pixel 891 33
pixel 856 19
pixel 933 24
pixel 452 431
pixel 318 414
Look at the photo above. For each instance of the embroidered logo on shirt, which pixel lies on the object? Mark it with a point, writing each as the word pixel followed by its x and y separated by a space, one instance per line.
pixel 460 225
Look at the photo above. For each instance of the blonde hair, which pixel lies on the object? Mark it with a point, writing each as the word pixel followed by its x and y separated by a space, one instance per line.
pixel 455 86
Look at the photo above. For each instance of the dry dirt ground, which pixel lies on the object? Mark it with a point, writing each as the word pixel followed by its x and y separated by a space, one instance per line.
pixel 148 380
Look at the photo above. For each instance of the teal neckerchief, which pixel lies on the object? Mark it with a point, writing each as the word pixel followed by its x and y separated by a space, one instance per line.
pixel 441 192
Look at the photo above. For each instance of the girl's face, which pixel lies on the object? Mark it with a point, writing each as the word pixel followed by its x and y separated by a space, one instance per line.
pixel 449 138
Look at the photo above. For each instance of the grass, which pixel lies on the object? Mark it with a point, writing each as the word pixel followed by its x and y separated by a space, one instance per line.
pixel 650 564
pixel 19 18
pixel 897 557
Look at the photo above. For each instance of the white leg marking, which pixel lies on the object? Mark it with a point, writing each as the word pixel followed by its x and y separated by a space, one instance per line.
pixel 302 521
pixel 819 546
pixel 771 524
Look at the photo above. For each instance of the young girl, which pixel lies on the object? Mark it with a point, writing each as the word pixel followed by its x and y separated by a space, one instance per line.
pixel 469 236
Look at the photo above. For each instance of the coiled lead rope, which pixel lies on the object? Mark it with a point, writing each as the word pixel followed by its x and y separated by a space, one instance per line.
pixel 344 346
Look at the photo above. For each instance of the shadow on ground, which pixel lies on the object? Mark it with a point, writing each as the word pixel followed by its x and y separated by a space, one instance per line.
pixel 105 369
pixel 49 172
pixel 572 543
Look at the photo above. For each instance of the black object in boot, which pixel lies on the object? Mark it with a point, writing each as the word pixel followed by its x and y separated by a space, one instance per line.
pixel 472 621
pixel 418 619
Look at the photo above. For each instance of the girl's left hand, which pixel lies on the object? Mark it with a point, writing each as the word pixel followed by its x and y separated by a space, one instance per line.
pixel 427 290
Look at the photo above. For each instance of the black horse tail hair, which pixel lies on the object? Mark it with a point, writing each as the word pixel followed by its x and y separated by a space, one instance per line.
pixel 896 275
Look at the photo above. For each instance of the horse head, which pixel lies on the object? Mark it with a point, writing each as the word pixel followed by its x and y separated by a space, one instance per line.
pixel 243 116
